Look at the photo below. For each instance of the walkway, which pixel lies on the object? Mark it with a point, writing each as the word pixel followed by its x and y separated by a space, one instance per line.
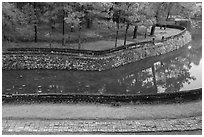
pixel 100 126
pixel 100 119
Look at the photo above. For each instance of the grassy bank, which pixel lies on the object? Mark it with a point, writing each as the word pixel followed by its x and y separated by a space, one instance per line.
pixel 104 42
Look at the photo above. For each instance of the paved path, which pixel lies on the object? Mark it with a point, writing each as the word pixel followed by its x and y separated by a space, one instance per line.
pixel 101 126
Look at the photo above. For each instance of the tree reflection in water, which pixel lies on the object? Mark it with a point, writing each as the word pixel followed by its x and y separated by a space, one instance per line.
pixel 168 75
pixel 173 74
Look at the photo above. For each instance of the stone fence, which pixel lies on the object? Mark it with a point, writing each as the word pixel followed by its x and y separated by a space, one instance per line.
pixel 70 59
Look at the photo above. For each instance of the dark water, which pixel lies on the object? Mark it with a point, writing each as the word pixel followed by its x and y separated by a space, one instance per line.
pixel 176 71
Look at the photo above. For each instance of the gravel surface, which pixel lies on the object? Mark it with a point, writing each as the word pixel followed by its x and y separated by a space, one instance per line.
pixel 97 111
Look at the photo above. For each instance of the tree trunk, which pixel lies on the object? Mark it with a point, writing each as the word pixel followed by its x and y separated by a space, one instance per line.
pixel 118 27
pixel 162 63
pixel 69 39
pixel 63 24
pixel 126 33
pixel 169 10
pixel 89 23
pixel 146 33
pixel 154 78
pixel 52 30
pixel 116 38
pixel 167 15
pixel 135 32
pixel 79 46
pixel 35 24
pixel 36 34
pixel 152 30
pixel 50 41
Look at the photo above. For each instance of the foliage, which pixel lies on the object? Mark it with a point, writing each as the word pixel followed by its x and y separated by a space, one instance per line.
pixel 21 17
pixel 11 19
pixel 74 18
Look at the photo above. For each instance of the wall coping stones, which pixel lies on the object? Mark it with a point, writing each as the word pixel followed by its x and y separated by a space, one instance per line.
pixel 174 97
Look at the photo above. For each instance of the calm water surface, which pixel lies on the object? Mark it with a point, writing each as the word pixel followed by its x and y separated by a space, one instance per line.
pixel 176 71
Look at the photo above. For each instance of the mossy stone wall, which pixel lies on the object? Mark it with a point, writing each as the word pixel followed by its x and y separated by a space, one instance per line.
pixel 69 61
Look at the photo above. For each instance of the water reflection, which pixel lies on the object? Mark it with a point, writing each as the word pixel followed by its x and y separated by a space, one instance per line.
pixel 172 72
pixel 166 74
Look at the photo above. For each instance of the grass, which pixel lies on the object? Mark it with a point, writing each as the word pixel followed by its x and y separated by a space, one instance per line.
pixel 95 45
pixel 93 39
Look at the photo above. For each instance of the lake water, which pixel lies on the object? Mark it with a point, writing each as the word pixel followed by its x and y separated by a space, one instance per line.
pixel 173 72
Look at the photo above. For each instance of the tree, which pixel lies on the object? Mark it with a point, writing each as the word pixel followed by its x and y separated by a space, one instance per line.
pixel 61 10
pixel 74 18
pixel 78 14
pixel 12 18
pixel 93 10
pixel 198 10
pixel 148 23
pixel 32 13
pixel 169 7
pixel 182 9
pixel 50 17
pixel 125 13
pixel 87 8
pixel 116 18
pixel 130 15
pixel 187 9
pixel 156 10
pixel 138 16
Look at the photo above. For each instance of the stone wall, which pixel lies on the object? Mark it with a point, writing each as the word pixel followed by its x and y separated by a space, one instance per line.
pixel 18 59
